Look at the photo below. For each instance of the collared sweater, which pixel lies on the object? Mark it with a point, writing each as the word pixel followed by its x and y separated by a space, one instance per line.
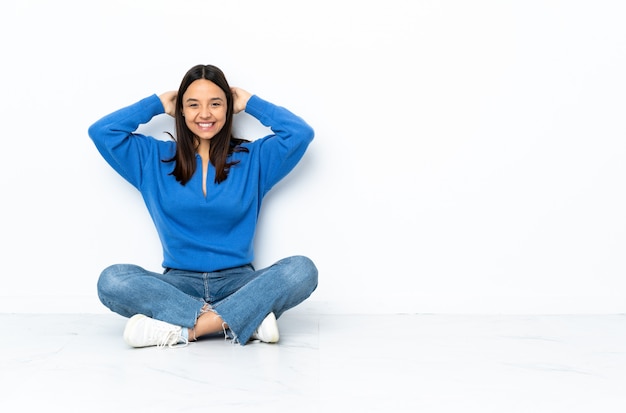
pixel 197 232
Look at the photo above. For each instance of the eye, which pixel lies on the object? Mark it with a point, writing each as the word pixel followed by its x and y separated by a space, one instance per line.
pixel 216 104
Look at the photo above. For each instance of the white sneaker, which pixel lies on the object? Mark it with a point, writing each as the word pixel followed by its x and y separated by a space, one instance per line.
pixel 267 332
pixel 143 331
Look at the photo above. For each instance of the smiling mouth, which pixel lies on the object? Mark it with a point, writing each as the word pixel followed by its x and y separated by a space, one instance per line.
pixel 205 125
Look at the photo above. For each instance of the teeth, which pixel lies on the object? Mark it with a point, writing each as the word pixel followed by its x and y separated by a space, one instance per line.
pixel 204 125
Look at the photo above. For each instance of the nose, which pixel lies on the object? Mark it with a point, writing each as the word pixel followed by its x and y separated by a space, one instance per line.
pixel 205 112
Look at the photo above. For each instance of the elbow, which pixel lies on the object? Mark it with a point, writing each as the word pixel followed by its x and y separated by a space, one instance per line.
pixel 93 131
pixel 309 133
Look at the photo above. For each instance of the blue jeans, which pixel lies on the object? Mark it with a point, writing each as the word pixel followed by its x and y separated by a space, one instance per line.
pixel 241 296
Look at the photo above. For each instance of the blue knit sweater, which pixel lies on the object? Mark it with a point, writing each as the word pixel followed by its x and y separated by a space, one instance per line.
pixel 201 233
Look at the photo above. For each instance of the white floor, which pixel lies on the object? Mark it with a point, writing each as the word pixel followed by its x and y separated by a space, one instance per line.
pixel 323 363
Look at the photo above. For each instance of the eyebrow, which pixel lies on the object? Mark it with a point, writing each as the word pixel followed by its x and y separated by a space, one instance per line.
pixel 196 100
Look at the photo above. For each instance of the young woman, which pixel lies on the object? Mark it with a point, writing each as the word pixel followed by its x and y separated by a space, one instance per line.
pixel 203 190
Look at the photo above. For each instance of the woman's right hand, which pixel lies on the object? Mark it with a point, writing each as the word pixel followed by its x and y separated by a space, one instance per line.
pixel 168 99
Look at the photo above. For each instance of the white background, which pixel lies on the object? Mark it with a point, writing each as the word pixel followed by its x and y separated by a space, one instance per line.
pixel 469 155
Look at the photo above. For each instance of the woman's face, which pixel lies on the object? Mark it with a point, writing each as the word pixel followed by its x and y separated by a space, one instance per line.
pixel 204 108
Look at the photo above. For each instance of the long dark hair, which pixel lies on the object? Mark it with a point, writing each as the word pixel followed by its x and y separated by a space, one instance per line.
pixel 223 144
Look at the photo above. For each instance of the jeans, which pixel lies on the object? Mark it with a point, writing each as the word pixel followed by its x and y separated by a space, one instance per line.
pixel 241 296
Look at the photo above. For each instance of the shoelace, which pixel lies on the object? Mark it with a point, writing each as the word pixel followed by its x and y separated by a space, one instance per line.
pixel 171 340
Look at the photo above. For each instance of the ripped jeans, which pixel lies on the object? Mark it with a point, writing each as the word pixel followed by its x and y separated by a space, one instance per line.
pixel 241 296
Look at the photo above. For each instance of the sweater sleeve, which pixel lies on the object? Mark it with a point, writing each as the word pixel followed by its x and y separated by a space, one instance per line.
pixel 116 141
pixel 281 151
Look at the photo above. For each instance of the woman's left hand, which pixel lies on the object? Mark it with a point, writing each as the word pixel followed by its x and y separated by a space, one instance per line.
pixel 240 99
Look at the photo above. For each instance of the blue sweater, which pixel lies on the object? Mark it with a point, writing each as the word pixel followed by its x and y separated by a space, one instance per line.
pixel 201 233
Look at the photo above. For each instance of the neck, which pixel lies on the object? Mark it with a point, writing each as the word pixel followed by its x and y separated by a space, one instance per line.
pixel 203 149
